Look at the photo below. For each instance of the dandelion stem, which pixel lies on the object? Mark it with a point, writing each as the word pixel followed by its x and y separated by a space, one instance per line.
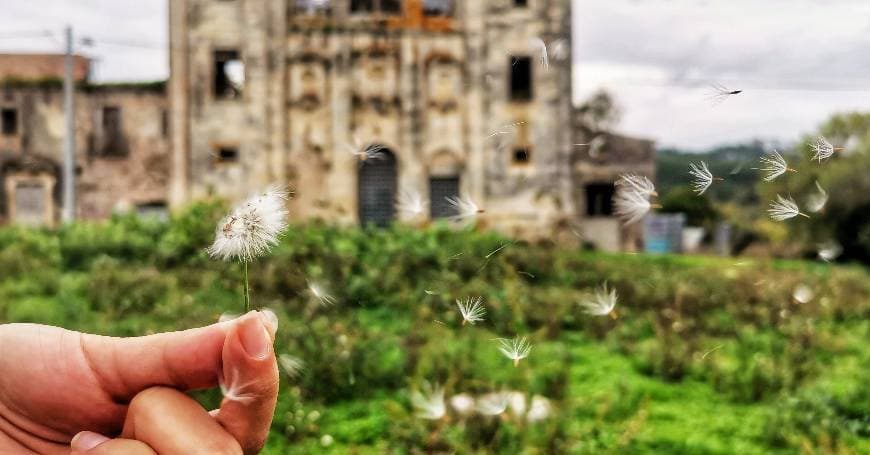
pixel 247 288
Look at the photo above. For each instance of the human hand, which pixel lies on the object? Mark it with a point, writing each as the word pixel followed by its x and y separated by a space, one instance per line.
pixel 55 383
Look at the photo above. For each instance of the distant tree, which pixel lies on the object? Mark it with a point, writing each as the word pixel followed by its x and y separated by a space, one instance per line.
pixel 698 209
pixel 599 112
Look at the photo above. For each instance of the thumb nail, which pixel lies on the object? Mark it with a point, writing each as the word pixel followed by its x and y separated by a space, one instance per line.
pixel 87 440
pixel 270 320
pixel 255 338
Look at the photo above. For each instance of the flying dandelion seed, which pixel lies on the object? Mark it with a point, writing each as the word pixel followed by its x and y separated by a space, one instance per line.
pixel 631 205
pixel 711 351
pixel 428 292
pixel 539 409
pixel 829 251
pixel 602 302
pixel 365 152
pixel 775 165
pixel 291 365
pixel 497 250
pixel 320 293
pixel 703 178
pixel 824 149
pixel 515 349
pixel 493 404
pixel 232 390
pixel 429 402
pixel 412 204
pixel 538 45
pixel 250 230
pixel 784 208
pixel 560 50
pixel 471 309
pixel 463 404
pixel 816 202
pixel 802 293
pixel 638 183
pixel 718 93
pixel 465 208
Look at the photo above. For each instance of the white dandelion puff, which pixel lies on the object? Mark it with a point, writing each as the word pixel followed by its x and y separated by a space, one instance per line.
pixel 463 404
pixel 602 302
pixel 538 45
pixel 471 309
pixel 638 183
pixel 775 165
pixel 703 178
pixel 493 404
pixel 429 402
pixel 718 93
pixel 784 208
pixel 464 206
pixel 816 202
pixel 321 293
pixel 252 228
pixel 830 250
pixel 515 349
pixel 631 205
pixel 539 410
pixel 823 149
pixel 412 204
pixel 802 293
pixel 291 365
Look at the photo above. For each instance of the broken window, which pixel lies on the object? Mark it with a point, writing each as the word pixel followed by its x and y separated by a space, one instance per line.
pixel 440 188
pixel 438 7
pixel 521 79
pixel 521 155
pixel 229 74
pixel 312 6
pixel 226 154
pixel 372 6
pixel 113 143
pixel 599 199
pixel 9 120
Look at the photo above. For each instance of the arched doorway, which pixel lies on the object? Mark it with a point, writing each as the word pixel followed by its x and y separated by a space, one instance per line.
pixel 377 187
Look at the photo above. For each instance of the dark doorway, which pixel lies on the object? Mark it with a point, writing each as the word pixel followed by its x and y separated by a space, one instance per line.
pixel 440 188
pixel 377 188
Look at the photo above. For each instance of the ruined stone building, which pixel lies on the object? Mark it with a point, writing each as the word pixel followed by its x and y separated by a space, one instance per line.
pixel 354 105
pixel 122 142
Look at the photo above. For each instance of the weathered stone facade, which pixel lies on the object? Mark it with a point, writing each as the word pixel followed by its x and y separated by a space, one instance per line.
pixel 439 89
pixel 122 144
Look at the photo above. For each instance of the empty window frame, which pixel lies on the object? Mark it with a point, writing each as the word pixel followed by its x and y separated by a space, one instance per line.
pixel 440 188
pixel 599 199
pixel 373 6
pixel 521 155
pixel 226 154
pixel 229 74
pixel 521 78
pixel 438 7
pixel 113 143
pixel 521 3
pixel 9 121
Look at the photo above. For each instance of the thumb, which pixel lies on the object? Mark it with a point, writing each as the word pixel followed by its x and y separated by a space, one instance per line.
pixel 249 380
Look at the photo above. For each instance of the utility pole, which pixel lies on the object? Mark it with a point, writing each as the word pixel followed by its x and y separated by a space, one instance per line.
pixel 69 140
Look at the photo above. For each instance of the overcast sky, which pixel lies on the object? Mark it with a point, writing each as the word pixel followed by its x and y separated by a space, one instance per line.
pixel 797 61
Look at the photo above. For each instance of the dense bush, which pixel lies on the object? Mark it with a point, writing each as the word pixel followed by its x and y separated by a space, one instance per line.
pixel 693 336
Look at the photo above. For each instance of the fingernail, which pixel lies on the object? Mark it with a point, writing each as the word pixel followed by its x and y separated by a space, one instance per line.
pixel 87 440
pixel 270 320
pixel 255 338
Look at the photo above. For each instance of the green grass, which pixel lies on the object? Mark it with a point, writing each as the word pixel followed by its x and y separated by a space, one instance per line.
pixel 708 355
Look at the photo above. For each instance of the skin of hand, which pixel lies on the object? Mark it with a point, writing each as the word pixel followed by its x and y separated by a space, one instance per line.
pixel 56 384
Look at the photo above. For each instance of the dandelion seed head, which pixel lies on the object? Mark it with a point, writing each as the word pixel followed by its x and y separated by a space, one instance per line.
pixel 602 302
pixel 252 228
pixel 429 402
pixel 784 208
pixel 702 176
pixel 471 309
pixel 515 349
pixel 639 183
pixel 321 293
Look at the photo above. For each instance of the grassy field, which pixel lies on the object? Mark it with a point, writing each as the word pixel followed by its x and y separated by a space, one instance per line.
pixel 707 355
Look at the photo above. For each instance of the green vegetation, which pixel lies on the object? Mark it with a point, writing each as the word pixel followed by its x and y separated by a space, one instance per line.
pixel 707 355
